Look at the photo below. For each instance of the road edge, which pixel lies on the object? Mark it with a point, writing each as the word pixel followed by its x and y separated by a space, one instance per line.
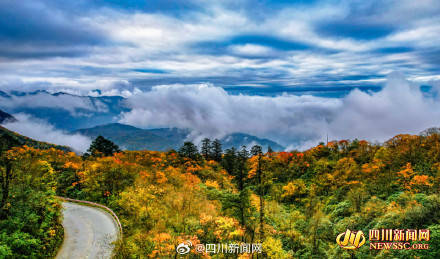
pixel 105 208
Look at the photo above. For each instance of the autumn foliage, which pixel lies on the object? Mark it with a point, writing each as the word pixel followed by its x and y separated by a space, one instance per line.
pixel 295 203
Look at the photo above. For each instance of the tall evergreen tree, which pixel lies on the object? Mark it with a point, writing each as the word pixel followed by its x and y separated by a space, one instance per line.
pixel 206 148
pixel 102 147
pixel 269 150
pixel 244 194
pixel 189 150
pixel 217 150
pixel 258 151
pixel 243 156
pixel 229 161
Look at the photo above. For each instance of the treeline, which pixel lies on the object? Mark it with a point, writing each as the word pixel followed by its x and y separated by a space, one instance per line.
pixel 209 150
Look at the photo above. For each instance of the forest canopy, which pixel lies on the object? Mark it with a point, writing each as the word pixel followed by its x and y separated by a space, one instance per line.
pixel 294 203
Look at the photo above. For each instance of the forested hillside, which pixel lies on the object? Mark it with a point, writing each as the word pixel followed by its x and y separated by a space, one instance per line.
pixel 30 216
pixel 295 203
pixel 11 139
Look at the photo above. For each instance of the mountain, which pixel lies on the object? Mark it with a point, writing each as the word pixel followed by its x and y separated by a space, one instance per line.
pixel 241 139
pixel 132 138
pixel 10 139
pixel 6 117
pixel 64 111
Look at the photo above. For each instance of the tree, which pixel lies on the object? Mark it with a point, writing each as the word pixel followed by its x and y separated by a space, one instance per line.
pixel 257 151
pixel 269 150
pixel 243 156
pixel 5 180
pixel 217 151
pixel 102 147
pixel 241 175
pixel 229 161
pixel 6 142
pixel 189 150
pixel 30 220
pixel 206 148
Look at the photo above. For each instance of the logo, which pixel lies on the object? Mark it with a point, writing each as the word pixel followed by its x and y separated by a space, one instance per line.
pixel 184 248
pixel 351 239
pixel 399 239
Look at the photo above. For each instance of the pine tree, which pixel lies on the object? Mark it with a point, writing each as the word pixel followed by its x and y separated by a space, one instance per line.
pixel 189 150
pixel 102 147
pixel 258 151
pixel 229 161
pixel 241 177
pixel 216 150
pixel 269 150
pixel 206 148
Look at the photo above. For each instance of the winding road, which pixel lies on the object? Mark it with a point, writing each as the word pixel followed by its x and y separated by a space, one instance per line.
pixel 88 232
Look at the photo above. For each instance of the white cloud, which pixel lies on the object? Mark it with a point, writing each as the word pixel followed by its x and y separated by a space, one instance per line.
pixel 251 49
pixel 162 41
pixel 213 112
pixel 298 121
pixel 67 102
pixel 43 131
pixel 399 108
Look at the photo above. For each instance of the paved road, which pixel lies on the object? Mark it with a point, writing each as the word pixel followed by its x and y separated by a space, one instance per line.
pixel 88 232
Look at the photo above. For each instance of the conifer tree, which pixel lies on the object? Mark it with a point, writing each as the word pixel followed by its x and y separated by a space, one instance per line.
pixel 206 148
pixel 217 150
pixel 103 147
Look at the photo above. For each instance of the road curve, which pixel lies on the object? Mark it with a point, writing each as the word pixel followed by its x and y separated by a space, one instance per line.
pixel 88 232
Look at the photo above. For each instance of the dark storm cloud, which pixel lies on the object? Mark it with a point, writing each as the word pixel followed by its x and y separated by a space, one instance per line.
pixel 37 29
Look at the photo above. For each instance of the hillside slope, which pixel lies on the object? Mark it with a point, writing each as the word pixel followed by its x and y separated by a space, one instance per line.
pixel 6 117
pixel 132 138
pixel 11 139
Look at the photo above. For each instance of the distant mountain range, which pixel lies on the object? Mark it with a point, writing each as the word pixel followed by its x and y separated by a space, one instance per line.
pixel 64 111
pixel 95 116
pixel 132 138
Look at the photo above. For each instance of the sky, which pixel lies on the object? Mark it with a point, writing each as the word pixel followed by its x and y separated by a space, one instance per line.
pixel 293 71
pixel 254 47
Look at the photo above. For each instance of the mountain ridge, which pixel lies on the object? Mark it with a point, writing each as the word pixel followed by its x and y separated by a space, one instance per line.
pixel 64 110
pixel 162 139
pixel 10 139
pixel 6 117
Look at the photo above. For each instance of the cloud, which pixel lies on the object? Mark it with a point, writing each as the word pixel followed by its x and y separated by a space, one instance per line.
pixel 213 112
pixel 401 107
pixel 41 29
pixel 43 131
pixel 298 121
pixel 251 50
pixel 76 105
pixel 87 44
pixel 357 31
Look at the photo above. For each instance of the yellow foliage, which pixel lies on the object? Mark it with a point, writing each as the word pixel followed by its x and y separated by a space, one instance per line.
pixel 294 189
pixel 274 248
pixel 212 184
